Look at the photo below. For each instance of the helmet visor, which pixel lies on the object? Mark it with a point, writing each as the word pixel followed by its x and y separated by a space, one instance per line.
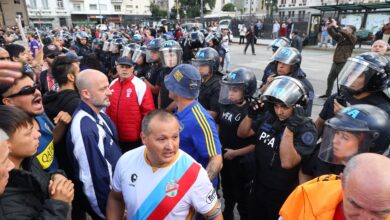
pixel 231 94
pixel 152 56
pixel 284 89
pixel 106 46
pixel 338 146
pixel 114 48
pixel 286 55
pixel 170 57
pixel 355 74
pixel 138 54
pixel 126 52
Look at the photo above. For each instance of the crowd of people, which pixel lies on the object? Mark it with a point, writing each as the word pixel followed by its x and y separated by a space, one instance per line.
pixel 150 123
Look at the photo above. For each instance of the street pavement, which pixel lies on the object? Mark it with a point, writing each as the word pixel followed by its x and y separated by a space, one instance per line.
pixel 316 63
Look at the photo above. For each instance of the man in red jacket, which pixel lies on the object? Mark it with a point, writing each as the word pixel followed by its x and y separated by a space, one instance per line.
pixel 131 100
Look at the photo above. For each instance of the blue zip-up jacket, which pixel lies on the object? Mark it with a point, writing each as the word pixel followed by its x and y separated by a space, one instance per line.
pixel 92 146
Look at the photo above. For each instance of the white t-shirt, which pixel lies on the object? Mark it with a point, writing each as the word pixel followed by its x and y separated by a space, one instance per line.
pixel 147 194
pixel 276 27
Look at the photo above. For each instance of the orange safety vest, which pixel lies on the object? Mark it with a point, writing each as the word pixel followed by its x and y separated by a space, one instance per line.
pixel 314 200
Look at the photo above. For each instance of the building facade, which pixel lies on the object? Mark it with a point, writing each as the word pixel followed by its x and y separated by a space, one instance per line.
pixel 10 9
pixel 48 14
pixel 91 12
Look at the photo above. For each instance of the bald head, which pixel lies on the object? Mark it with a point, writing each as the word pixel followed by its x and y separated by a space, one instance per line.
pixel 94 89
pixel 87 78
pixel 380 47
pixel 366 187
pixel 370 166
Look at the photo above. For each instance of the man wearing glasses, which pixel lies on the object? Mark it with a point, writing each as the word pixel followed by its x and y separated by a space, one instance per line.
pixel 24 94
pixel 48 83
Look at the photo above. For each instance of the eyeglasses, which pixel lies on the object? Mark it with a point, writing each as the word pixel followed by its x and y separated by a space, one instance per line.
pixel 5 58
pixel 52 56
pixel 28 90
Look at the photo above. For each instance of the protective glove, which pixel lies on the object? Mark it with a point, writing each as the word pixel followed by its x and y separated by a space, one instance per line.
pixel 296 119
pixel 255 108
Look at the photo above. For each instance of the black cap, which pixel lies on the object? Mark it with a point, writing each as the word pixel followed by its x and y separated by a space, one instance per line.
pixel 124 61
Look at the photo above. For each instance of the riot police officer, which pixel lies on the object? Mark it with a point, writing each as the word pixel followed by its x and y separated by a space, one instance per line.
pixel 361 81
pixel 355 129
pixel 82 43
pixel 237 89
pixel 139 59
pixel 153 58
pixel 284 136
pixel 213 40
pixel 171 55
pixel 287 61
pixel 207 62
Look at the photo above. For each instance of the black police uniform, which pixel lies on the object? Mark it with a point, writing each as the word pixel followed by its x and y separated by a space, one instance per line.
pixel 141 70
pixel 315 167
pixel 152 76
pixel 238 173
pixel 273 183
pixel 209 93
pixel 164 92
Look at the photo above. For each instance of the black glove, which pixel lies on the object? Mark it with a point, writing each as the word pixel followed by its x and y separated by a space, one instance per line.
pixel 255 108
pixel 296 119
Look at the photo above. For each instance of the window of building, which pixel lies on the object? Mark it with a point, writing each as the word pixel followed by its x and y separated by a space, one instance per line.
pixel 136 6
pixel 33 4
pixel 293 14
pixel 293 1
pixel 60 4
pixel 76 7
pixel 117 7
pixel 92 6
pixel 103 7
pixel 45 4
pixel 129 6
pixel 16 1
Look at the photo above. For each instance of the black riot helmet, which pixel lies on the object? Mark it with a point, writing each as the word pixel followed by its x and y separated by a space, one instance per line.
pixel 153 47
pixel 286 90
pixel 240 80
pixel 207 56
pixel 288 55
pixel 366 72
pixel 156 44
pixel 196 39
pixel 355 129
pixel 171 54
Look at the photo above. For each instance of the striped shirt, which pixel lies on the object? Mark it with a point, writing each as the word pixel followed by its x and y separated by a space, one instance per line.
pixel 93 152
pixel 199 137
pixel 173 191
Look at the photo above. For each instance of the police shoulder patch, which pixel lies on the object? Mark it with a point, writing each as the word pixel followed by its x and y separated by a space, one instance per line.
pixel 308 137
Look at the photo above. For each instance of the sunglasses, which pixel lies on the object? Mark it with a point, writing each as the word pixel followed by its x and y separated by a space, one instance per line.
pixel 5 58
pixel 28 90
pixel 52 56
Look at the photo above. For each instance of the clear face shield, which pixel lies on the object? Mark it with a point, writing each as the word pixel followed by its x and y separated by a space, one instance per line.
pixel 339 145
pixel 356 74
pixel 277 43
pixel 152 56
pixel 170 57
pixel 106 46
pixel 285 89
pixel 204 66
pixel 138 54
pixel 114 48
pixel 126 52
pixel 231 94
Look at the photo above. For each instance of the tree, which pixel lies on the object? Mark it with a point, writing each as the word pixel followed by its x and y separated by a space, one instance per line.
pixel 228 7
pixel 156 12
